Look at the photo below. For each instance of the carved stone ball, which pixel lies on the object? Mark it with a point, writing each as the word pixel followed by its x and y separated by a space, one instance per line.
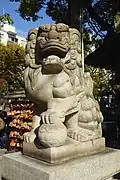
pixel 52 135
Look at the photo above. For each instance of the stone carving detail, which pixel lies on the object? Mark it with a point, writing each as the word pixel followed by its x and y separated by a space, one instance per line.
pixel 62 93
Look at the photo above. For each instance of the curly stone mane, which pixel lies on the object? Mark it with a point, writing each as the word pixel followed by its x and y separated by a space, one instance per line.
pixel 72 64
pixel 30 47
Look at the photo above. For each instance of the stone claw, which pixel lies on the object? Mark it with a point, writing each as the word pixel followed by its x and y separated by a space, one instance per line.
pixel 51 117
pixel 80 135
pixel 29 137
pixel 46 117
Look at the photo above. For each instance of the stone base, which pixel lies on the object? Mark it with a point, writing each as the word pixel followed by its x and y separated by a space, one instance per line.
pixel 72 149
pixel 2 152
pixel 101 166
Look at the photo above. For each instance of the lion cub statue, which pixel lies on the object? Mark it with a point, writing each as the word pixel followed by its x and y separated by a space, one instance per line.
pixel 61 92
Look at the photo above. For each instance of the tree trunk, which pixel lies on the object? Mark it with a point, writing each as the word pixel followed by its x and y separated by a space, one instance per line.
pixel 74 12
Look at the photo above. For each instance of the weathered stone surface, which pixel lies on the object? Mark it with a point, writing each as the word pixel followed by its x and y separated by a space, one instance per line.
pixel 101 166
pixel 2 152
pixel 71 150
pixel 61 91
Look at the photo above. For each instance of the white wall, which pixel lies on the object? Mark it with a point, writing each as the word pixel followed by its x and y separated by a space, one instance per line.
pixel 4 29
pixel 7 27
pixel 21 40
pixel 4 37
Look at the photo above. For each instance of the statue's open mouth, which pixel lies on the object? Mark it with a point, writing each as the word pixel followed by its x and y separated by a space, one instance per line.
pixel 52 63
pixel 54 47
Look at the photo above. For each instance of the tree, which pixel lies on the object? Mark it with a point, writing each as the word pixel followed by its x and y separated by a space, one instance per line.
pixel 3 87
pixel 102 80
pixel 101 77
pixel 6 18
pixel 28 9
pixel 12 64
pixel 99 15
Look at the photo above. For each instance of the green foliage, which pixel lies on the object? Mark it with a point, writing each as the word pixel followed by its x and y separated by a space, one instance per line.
pixel 6 18
pixel 99 15
pixel 58 11
pixel 101 77
pixel 102 80
pixel 87 41
pixel 28 9
pixel 11 63
pixel 90 41
pixel 3 87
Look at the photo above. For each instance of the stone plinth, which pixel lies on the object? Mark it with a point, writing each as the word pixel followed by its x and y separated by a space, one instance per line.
pixel 96 167
pixel 2 152
pixel 72 149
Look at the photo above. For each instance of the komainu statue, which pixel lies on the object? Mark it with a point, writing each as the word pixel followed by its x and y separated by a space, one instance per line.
pixel 62 93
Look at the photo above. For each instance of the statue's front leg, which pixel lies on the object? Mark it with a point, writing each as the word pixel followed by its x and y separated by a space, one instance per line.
pixel 52 117
pixel 53 132
pixel 57 109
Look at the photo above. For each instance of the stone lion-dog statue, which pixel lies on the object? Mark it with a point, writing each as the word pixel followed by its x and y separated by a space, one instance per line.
pixel 62 93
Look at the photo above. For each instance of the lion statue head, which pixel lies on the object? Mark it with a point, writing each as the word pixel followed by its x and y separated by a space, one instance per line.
pixel 55 47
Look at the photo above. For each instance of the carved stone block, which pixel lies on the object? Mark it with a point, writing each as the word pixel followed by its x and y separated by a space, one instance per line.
pixel 70 150
pixel 100 166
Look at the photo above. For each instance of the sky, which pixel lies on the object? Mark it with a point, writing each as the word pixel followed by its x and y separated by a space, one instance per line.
pixel 21 25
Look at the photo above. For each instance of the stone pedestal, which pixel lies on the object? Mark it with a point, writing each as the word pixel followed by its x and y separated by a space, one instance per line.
pixel 57 155
pixel 2 152
pixel 101 166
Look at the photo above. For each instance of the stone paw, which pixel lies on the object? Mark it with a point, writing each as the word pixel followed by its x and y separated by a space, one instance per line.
pixel 29 137
pixel 80 135
pixel 52 117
